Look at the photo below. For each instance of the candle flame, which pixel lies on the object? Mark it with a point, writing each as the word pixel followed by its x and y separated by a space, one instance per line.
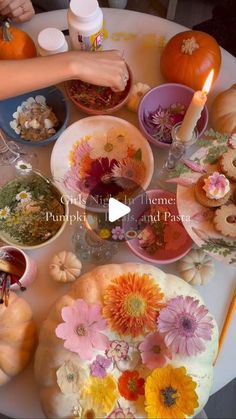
pixel 208 82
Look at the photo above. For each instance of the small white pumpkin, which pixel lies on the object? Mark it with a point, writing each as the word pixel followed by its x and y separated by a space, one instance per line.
pixel 65 267
pixel 137 93
pixel 197 267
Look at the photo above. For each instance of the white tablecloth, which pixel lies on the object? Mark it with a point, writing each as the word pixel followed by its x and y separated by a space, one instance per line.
pixel 20 397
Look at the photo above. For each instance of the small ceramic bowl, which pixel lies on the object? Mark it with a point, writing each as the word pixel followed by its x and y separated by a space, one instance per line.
pixel 54 98
pixel 106 111
pixel 165 95
pixel 30 266
pixel 177 244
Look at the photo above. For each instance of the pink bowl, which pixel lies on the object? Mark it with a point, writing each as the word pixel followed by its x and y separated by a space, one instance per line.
pixel 176 247
pixel 164 96
pixel 30 271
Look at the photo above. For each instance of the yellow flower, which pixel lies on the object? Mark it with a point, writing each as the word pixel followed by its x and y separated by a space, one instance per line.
pixel 102 392
pixel 104 233
pixel 170 393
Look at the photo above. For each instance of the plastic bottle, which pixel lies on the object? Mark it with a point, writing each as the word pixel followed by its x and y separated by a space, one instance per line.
pixel 51 41
pixel 85 21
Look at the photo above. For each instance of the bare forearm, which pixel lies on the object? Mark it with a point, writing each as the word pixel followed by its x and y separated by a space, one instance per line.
pixel 17 77
pixel 102 68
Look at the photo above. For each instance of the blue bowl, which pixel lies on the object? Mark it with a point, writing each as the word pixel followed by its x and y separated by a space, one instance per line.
pixel 54 98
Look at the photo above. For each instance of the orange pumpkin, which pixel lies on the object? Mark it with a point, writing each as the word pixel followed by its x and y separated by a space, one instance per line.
pixel 15 44
pixel 188 58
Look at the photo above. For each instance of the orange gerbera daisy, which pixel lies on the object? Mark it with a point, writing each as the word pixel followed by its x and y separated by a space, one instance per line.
pixel 85 165
pixel 170 393
pixel 131 304
pixel 130 385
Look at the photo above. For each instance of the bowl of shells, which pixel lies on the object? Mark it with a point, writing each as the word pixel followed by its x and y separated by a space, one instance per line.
pixel 36 118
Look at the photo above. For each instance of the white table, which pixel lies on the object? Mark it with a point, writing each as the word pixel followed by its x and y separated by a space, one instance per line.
pixel 20 398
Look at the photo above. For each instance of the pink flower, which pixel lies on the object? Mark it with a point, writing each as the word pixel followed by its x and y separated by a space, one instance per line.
pixel 83 149
pixel 194 166
pixel 99 366
pixel 118 350
pixel 216 185
pixel 154 351
pixel 118 233
pixel 185 325
pixel 82 329
pixel 120 413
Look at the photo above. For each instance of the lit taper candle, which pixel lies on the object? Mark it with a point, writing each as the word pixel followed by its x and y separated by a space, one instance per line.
pixel 194 110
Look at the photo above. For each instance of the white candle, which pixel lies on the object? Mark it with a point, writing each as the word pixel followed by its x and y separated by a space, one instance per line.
pixel 194 111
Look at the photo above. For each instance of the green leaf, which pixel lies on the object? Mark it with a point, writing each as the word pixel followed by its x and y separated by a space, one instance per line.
pixel 214 153
pixel 180 169
pixel 138 155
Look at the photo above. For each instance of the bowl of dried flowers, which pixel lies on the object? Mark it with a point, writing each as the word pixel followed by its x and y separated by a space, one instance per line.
pixel 32 212
pixel 36 118
pixel 163 107
pixel 97 100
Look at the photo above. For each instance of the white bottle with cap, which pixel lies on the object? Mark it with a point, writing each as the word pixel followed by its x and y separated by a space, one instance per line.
pixel 51 41
pixel 85 21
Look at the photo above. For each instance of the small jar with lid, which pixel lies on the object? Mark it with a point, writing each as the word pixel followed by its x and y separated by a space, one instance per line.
pixel 51 41
pixel 85 21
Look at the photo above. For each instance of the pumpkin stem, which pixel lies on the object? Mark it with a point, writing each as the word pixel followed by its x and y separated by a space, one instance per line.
pixel 189 46
pixel 6 34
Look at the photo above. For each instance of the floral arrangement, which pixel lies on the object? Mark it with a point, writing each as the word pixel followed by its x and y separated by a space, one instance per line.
pixel 159 123
pixel 24 205
pixel 157 231
pixel 124 347
pixel 105 164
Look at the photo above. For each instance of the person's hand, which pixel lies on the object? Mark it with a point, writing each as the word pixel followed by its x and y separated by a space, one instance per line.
pixel 106 68
pixel 17 10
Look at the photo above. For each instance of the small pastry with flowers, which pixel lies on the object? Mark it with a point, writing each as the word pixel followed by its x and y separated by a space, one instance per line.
pixel 127 342
pixel 213 190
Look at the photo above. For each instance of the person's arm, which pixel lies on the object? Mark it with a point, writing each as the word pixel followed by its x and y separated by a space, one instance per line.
pixel 101 68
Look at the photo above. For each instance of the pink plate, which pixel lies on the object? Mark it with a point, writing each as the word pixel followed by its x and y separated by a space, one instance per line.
pixel 178 243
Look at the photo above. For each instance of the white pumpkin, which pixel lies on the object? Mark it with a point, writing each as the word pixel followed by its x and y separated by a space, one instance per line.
pixel 197 267
pixel 223 111
pixel 137 93
pixel 65 267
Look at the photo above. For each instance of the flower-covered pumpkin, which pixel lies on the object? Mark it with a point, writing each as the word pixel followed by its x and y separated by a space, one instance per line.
pixel 189 57
pixel 126 341
pixel 17 337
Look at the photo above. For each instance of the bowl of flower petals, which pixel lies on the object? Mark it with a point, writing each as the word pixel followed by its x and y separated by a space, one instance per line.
pixel 97 100
pixel 160 235
pixel 36 118
pixel 162 108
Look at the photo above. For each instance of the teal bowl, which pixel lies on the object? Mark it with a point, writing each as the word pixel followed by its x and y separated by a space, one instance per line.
pixel 54 98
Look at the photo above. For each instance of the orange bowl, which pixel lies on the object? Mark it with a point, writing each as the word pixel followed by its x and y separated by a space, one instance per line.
pixel 89 110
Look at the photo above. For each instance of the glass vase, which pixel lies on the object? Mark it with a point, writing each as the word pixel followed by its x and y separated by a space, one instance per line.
pixel 177 151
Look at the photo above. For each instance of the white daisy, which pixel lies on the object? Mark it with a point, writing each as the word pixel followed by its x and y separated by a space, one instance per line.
pixel 4 212
pixel 24 197
pixel 113 148
pixel 22 165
